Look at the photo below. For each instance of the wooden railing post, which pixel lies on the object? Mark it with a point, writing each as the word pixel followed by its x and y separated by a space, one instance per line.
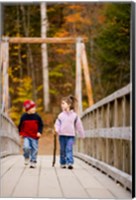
pixel 0 74
pixel 9 137
pixel 78 88
pixel 5 77
pixel 87 75
pixel 115 142
pixel 108 142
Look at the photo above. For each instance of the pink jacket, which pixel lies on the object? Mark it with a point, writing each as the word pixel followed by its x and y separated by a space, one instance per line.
pixel 68 123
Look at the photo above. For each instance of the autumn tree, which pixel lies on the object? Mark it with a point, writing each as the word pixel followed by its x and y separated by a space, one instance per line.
pixel 112 48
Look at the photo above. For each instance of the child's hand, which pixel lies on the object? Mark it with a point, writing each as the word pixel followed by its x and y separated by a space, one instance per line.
pixel 38 134
pixel 54 131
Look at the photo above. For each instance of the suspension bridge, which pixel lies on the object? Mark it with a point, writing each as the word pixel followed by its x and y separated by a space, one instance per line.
pixel 103 160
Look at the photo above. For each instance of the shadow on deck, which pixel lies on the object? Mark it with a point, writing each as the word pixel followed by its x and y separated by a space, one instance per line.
pixel 46 181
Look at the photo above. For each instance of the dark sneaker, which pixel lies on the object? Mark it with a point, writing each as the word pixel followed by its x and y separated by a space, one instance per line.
pixel 70 167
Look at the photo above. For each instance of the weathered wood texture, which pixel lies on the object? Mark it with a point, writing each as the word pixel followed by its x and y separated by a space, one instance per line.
pixel 108 135
pixel 4 63
pixel 80 55
pixel 39 40
pixel 86 72
pixel 9 137
pixel 46 181
pixel 78 84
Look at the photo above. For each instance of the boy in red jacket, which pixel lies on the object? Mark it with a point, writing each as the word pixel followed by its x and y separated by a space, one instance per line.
pixel 30 128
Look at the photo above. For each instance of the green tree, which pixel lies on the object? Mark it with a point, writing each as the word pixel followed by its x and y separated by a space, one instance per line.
pixel 112 48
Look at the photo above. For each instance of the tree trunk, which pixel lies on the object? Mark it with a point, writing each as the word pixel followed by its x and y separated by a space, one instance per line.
pixel 19 46
pixel 44 24
pixel 29 54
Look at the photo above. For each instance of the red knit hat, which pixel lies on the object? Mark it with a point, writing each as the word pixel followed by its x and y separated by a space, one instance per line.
pixel 28 104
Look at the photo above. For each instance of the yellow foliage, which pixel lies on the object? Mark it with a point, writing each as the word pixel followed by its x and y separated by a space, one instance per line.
pixel 62 33
pixel 18 34
pixel 24 56
pixel 16 47
pixel 15 79
pixel 14 114
pixel 15 54
pixel 60 51
pixel 10 72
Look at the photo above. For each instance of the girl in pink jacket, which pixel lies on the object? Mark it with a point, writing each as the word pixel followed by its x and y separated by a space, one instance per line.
pixel 66 125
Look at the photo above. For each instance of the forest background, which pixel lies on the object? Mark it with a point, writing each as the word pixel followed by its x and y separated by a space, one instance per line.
pixel 105 25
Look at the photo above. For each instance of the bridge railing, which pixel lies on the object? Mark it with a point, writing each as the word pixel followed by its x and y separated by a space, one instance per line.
pixel 108 141
pixel 9 137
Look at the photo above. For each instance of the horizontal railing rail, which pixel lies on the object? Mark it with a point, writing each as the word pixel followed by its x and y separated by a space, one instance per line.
pixel 108 141
pixel 9 137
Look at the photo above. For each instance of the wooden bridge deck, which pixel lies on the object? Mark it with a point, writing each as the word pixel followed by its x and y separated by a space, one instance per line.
pixel 83 181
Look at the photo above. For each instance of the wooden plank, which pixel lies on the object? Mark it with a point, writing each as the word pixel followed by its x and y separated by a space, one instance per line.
pixel 108 115
pixel 124 111
pixel 27 185
pixel 5 166
pixel 48 185
pixel 118 175
pixel 115 188
pixel 100 193
pixel 111 133
pixel 70 185
pixel 11 178
pixel 118 94
pixel 45 181
pixel 86 179
pixel 104 188
pixel 115 119
pixel 39 40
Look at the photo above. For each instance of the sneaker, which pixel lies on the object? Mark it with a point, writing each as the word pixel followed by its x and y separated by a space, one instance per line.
pixel 63 166
pixel 33 165
pixel 70 167
pixel 26 161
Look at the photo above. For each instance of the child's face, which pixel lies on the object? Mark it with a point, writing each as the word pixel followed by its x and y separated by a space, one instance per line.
pixel 65 106
pixel 32 110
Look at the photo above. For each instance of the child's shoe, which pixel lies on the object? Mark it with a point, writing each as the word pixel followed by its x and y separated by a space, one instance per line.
pixel 70 167
pixel 33 165
pixel 26 161
pixel 63 166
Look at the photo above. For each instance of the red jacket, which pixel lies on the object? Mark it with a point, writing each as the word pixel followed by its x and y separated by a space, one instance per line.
pixel 30 125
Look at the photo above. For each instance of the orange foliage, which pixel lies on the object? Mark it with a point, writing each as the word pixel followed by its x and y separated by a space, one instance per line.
pixel 76 7
pixel 62 33
pixel 76 17
pixel 101 19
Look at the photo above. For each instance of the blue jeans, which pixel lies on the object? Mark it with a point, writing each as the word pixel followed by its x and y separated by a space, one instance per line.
pixel 30 148
pixel 66 149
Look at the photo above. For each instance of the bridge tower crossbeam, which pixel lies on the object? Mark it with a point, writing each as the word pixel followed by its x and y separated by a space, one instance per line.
pixel 81 63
